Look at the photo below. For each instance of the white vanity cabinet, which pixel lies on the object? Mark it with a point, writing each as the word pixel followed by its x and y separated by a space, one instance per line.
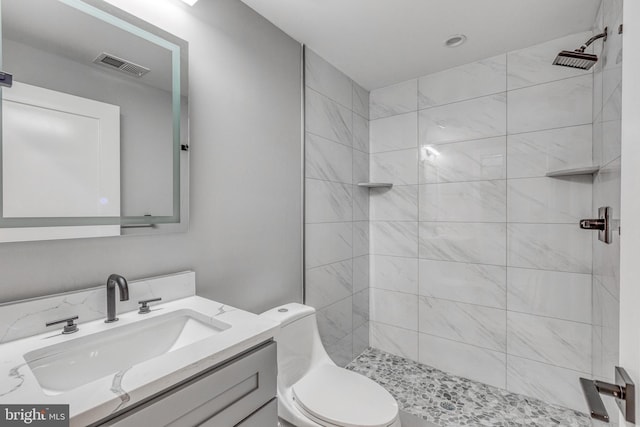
pixel 238 392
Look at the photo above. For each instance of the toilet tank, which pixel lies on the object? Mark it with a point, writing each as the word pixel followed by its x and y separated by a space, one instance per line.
pixel 299 345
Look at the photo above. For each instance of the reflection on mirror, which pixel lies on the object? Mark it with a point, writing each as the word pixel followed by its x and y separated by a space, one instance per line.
pixel 94 124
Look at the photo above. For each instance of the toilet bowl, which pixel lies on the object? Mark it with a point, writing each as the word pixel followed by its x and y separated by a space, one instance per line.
pixel 312 390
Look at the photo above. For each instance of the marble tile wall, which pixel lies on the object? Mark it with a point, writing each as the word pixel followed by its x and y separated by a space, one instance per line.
pixel 607 83
pixel 336 209
pixel 477 265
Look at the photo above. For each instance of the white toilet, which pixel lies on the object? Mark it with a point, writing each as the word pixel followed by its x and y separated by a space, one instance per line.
pixel 312 390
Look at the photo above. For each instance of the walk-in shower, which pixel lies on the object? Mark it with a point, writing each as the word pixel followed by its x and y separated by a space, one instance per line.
pixel 467 287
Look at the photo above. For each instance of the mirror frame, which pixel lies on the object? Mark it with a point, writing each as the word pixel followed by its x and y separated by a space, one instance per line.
pixel 180 71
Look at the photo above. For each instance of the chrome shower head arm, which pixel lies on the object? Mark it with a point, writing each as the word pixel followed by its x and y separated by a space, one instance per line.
pixel 602 35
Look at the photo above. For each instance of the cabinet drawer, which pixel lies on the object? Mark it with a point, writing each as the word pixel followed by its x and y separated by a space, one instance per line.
pixel 224 395
pixel 267 416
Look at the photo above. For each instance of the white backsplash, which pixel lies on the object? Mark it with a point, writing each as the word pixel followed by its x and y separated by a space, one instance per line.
pixel 26 318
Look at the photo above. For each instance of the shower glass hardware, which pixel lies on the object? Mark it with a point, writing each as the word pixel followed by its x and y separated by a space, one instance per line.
pixel 6 79
pixel 602 224
pixel 623 390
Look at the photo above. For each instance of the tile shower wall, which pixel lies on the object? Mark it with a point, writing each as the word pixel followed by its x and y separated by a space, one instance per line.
pixel 337 210
pixel 478 266
pixel 607 80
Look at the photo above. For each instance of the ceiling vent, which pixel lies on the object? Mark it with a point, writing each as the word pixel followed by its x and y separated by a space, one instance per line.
pixel 120 64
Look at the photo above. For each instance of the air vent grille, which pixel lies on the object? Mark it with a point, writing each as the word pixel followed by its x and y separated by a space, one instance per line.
pixel 120 64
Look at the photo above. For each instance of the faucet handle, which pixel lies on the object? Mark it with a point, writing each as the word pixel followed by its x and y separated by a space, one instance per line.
pixel 144 308
pixel 69 328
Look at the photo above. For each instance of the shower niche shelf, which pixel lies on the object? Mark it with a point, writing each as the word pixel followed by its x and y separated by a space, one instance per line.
pixel 583 170
pixel 375 184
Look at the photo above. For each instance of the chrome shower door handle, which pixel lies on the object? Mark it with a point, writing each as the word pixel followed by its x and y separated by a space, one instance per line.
pixel 601 224
pixel 592 224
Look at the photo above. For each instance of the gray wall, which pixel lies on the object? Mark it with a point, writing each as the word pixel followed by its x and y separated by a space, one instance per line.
pixel 337 210
pixel 244 240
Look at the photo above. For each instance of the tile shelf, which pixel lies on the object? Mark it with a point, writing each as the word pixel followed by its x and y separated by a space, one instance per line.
pixel 375 184
pixel 583 170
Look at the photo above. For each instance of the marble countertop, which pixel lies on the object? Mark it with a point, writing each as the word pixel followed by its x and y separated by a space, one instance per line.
pixel 98 399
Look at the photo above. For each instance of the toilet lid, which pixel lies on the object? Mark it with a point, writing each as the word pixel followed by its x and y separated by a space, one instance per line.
pixel 344 398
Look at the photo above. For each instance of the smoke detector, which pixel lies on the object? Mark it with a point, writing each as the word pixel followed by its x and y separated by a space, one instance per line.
pixel 127 67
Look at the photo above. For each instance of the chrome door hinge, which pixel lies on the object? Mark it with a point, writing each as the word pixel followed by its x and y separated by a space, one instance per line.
pixel 623 390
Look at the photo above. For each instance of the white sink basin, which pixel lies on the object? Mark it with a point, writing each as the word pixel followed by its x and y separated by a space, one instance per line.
pixel 65 366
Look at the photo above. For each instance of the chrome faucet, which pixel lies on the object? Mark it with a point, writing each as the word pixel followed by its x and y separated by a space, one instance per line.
pixel 112 281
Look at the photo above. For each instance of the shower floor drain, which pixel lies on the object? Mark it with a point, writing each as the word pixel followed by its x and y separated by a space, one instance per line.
pixel 448 406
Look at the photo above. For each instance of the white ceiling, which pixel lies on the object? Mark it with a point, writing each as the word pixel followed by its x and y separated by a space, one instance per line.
pixel 381 42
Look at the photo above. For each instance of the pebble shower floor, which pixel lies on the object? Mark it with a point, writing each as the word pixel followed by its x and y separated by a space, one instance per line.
pixel 447 400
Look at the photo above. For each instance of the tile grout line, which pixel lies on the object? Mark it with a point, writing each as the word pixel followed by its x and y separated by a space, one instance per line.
pixel 506 234
pixel 418 212
pixel 476 263
pixel 480 138
pixel 491 94
pixel 506 353
pixel 600 75
pixel 369 261
pixel 473 263
pixel 431 221
pixel 324 95
pixel 526 313
pixel 325 140
pixel 593 202
pixel 353 228
pixel 368 223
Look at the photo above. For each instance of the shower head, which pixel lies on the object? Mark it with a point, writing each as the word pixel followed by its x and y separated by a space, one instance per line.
pixel 578 58
pixel 575 59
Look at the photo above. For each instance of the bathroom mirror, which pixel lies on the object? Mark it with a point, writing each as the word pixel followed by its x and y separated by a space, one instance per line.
pixel 94 125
